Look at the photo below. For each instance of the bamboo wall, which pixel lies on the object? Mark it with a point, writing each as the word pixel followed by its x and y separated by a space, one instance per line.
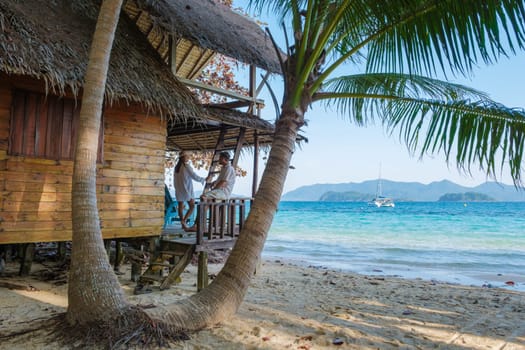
pixel 36 193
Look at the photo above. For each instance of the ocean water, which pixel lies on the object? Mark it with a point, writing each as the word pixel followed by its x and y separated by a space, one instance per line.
pixel 481 244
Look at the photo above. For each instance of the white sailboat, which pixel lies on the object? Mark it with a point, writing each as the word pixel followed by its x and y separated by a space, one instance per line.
pixel 380 200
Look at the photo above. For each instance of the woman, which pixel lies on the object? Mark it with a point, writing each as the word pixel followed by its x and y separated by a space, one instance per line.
pixel 182 180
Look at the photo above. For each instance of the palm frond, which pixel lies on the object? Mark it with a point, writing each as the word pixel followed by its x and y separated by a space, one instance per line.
pixel 384 85
pixel 276 106
pixel 481 132
pixel 419 36
pixel 280 8
pixel 330 15
pixel 432 116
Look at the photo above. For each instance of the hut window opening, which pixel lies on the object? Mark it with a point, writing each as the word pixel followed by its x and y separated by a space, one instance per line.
pixel 45 126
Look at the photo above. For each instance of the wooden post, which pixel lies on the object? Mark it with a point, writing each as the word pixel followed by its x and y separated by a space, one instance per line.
pixel 202 271
pixel 62 251
pixel 255 178
pixel 200 220
pixel 119 255
pixel 232 209
pixel 252 89
pixel 172 61
pixel 136 271
pixel 28 250
pixel 222 217
pixel 213 219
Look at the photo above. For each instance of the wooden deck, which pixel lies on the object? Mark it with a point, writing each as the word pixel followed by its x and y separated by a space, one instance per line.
pixel 219 223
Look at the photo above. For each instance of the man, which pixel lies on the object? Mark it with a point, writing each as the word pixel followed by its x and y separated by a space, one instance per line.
pixel 220 188
pixel 223 186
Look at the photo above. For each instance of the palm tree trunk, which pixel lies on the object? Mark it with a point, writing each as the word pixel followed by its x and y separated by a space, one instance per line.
pixel 224 296
pixel 94 292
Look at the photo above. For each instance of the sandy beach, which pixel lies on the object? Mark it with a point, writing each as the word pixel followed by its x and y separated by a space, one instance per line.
pixel 294 307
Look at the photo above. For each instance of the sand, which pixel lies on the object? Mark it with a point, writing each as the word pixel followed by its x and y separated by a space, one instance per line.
pixel 294 307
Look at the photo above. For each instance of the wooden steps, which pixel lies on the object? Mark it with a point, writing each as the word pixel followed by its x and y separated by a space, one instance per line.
pixel 166 265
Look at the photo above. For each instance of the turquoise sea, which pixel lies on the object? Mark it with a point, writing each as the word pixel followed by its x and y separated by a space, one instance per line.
pixel 481 244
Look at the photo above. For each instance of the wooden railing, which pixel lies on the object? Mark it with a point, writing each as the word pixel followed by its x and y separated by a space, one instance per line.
pixel 220 219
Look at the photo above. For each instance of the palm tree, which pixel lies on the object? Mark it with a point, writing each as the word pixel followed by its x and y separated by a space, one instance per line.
pixel 396 41
pixel 408 35
pixel 91 275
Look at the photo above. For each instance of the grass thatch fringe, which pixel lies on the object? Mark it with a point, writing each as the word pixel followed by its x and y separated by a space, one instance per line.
pixel 51 40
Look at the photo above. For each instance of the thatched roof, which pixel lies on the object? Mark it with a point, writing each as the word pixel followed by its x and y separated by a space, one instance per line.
pixel 203 134
pixel 50 40
pixel 205 24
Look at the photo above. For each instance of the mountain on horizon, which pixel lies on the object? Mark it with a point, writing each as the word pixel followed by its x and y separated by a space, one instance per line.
pixel 407 191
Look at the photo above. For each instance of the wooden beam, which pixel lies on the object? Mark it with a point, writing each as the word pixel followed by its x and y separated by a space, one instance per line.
pixel 231 105
pixel 172 59
pixel 196 131
pixel 198 85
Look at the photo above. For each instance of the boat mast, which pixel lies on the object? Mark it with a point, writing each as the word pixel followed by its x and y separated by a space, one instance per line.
pixel 379 191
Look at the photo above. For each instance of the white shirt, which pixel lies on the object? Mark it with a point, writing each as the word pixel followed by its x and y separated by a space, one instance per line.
pixel 227 174
pixel 183 183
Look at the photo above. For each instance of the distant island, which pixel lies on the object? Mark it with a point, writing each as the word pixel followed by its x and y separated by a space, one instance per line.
pixel 406 192
pixel 332 196
pixel 465 197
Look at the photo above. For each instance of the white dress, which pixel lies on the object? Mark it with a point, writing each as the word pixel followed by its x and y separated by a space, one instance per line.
pixel 183 182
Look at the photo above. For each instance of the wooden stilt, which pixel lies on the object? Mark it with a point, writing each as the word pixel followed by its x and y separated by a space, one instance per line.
pixel 61 251
pixel 136 271
pixel 119 255
pixel 202 271
pixel 28 250
pixel 107 245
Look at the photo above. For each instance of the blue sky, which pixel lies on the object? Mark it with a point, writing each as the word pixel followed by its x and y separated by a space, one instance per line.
pixel 338 151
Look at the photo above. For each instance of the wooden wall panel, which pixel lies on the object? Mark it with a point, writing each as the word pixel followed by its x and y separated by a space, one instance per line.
pixel 18 127
pixel 35 193
pixel 30 125
pixel 135 142
pixel 4 123
pixel 136 158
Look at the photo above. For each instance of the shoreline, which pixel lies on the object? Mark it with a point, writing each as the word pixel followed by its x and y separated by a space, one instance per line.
pixel 289 306
pixel 476 245
pixel 507 281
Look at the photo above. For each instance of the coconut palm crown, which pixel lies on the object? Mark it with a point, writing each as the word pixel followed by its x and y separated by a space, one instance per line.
pixel 400 45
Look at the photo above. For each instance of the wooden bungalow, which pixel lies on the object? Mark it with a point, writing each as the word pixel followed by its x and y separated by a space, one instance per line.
pixel 160 49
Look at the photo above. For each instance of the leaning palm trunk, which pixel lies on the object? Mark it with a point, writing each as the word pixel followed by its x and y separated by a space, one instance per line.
pixel 94 292
pixel 224 296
